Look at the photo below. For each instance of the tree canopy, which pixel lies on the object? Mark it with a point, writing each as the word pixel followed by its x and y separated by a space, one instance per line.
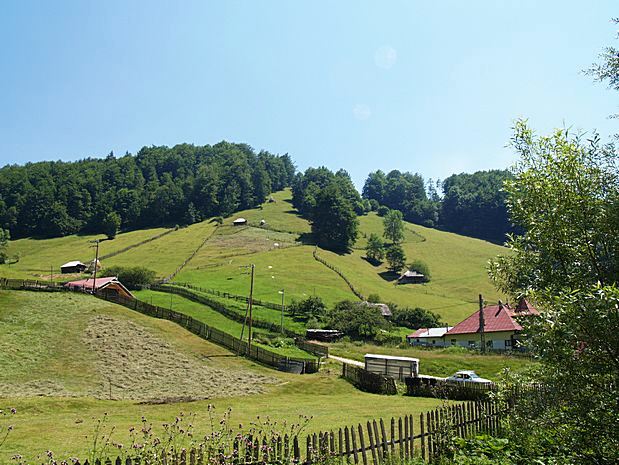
pixel 331 202
pixel 565 195
pixel 157 186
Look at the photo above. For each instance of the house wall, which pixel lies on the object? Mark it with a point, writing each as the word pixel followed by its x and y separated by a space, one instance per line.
pixel 427 341
pixel 494 340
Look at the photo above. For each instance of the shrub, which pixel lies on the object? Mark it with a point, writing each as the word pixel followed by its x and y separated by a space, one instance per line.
pixel 357 320
pixel 414 317
pixel 421 267
pixel 133 278
pixel 311 308
pixel 382 210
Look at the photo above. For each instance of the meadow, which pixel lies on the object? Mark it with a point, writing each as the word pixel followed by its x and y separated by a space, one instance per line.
pixel 59 380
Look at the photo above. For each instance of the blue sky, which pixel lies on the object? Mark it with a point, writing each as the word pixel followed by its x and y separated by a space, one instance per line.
pixel 428 87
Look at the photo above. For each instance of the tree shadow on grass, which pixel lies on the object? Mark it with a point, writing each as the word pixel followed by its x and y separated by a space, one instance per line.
pixel 306 239
pixel 389 276
pixel 371 261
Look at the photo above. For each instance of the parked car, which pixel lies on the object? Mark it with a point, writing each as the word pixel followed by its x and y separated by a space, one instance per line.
pixel 467 376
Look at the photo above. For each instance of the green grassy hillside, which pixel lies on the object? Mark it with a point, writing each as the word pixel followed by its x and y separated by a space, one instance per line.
pixel 457 263
pixel 64 356
pixel 36 256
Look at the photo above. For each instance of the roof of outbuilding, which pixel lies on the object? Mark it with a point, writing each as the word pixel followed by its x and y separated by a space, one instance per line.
pixel 90 283
pixel 73 263
pixel 496 318
pixel 384 308
pixel 429 332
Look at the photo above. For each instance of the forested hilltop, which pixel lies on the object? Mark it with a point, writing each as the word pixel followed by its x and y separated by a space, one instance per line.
pixel 157 186
pixel 185 184
pixel 470 204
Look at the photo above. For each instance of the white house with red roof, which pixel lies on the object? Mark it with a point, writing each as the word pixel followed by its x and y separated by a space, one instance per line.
pixel 501 328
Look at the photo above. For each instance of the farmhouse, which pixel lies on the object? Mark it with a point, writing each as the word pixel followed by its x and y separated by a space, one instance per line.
pixel 392 366
pixel 411 276
pixel 501 328
pixel 429 337
pixel 73 267
pixel 239 222
pixel 109 285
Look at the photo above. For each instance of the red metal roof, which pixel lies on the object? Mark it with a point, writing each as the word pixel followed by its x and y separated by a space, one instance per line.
pixel 524 308
pixel 496 318
pixel 88 283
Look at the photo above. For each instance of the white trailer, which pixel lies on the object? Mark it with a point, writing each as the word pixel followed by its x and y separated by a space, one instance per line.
pixel 392 366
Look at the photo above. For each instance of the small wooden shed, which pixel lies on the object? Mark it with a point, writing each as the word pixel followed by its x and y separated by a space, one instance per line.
pixel 73 267
pixel 411 276
pixel 392 366
pixel 239 222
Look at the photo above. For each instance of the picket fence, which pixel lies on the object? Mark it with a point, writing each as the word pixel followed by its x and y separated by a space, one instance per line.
pixel 377 442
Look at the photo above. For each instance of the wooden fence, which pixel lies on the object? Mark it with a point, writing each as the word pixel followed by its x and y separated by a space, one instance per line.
pixel 311 347
pixel 337 270
pixel 377 442
pixel 188 259
pixel 217 336
pixel 228 295
pixel 461 390
pixel 367 381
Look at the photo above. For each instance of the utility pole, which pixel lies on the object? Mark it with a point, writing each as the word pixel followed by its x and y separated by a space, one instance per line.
pixel 482 324
pixel 282 292
pixel 251 300
pixel 94 278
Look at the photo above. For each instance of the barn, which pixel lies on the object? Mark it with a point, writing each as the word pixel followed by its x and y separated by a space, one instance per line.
pixel 411 276
pixel 392 366
pixel 110 285
pixel 73 267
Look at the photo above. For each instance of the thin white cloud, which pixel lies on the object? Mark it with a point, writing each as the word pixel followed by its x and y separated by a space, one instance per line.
pixel 361 111
pixel 385 57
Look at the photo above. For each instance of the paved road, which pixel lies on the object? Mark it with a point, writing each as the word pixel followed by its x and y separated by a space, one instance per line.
pixel 347 360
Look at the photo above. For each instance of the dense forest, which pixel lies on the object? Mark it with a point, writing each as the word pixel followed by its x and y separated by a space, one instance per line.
pixel 186 183
pixel 471 204
pixel 157 186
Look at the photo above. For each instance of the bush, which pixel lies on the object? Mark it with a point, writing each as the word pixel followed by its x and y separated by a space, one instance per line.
pixel 421 267
pixel 133 278
pixel 415 317
pixel 357 320
pixel 382 210
pixel 311 308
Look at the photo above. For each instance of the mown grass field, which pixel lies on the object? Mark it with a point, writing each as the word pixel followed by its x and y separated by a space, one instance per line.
pixel 58 380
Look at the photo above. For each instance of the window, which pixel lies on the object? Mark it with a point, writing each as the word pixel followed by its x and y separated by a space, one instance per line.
pixel 489 343
pixel 508 342
pixel 453 341
pixel 433 342
pixel 471 343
